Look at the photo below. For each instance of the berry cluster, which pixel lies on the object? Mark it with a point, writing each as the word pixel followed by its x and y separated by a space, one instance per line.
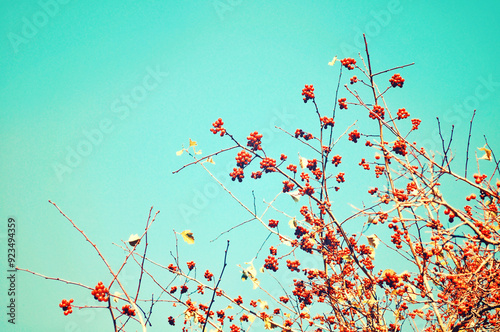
pixel 268 165
pixel 354 136
pixel 208 275
pixel 396 80
pixel 171 320
pixel 471 197
pixel 308 92
pixel 342 103
pixel 243 158
pixel 271 263
pixel 379 170
pixel 326 121
pixel 254 141
pixel 273 223
pixel 256 175
pixel 283 157
pixel 293 265
pixel 377 112
pixel 450 214
pixel 301 133
pixel 66 306
pixel 292 168
pixel 287 186
pixel 217 127
pixel 191 265
pixel 479 178
pixel 402 114
pixel 415 123
pixel 400 147
pixel 237 173
pixel 306 190
pixel 340 177
pixel 354 79
pixel 100 292
pixel 373 191
pixel 312 164
pixel 273 251
pixel 348 63
pixel 336 160
pixel 364 164
pixel 126 310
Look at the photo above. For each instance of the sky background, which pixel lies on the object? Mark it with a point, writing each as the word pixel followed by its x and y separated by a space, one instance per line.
pixel 96 98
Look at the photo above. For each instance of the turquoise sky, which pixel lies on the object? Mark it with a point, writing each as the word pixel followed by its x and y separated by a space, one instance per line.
pixel 97 96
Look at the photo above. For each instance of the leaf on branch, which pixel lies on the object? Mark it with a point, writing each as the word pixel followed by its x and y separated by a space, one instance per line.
pixel 302 162
pixel 331 63
pixel 373 241
pixel 180 152
pixel 292 223
pixel 188 236
pixel 210 160
pixel 268 324
pixel 295 195
pixel 263 304
pixel 115 296
pixel 133 240
pixel 487 153
pixel 192 143
pixel 250 272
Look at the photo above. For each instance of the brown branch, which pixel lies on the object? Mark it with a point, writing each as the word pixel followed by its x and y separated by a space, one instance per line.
pixel 385 71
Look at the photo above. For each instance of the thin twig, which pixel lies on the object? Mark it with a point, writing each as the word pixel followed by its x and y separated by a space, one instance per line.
pixel 216 286
pixel 468 143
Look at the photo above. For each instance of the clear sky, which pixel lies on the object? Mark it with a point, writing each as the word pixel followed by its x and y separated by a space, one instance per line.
pixel 97 96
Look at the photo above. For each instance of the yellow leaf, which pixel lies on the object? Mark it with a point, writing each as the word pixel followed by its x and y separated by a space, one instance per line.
pixel 331 63
pixel 373 240
pixel 197 152
pixel 115 296
pixel 263 304
pixel 487 153
pixel 192 143
pixel 133 240
pixel 292 223
pixel 210 160
pixel 268 324
pixel 188 236
pixel 179 152
pixel 302 162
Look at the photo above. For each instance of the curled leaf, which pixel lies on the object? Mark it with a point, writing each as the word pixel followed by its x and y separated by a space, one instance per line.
pixel 134 240
pixel 331 63
pixel 179 152
pixel 487 153
pixel 292 223
pixel 192 143
pixel 295 195
pixel 188 236
pixel 373 240
pixel 302 162
pixel 210 160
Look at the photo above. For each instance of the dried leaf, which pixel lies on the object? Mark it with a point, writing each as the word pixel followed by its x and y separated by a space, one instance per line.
pixel 331 63
pixel 295 195
pixel 302 162
pixel 373 241
pixel 192 143
pixel 263 304
pixel 210 160
pixel 487 153
pixel 134 240
pixel 292 223
pixel 188 236
pixel 179 152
